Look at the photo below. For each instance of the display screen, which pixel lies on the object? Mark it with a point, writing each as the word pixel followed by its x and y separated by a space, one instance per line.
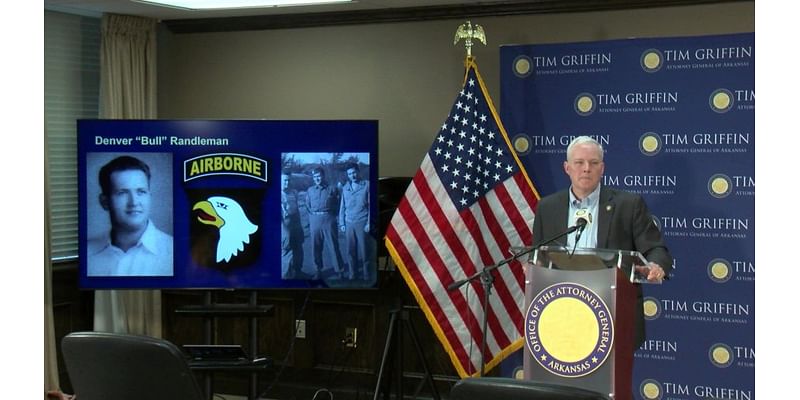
pixel 227 204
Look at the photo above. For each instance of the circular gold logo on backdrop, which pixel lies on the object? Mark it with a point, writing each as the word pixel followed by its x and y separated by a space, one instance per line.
pixel 720 185
pixel 650 144
pixel 650 389
pixel 652 60
pixel 719 270
pixel 569 330
pixel 721 100
pixel 652 308
pixel 585 104
pixel 522 66
pixel 522 144
pixel 720 355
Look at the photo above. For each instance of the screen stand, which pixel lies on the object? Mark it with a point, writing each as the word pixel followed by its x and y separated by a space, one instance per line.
pixel 210 311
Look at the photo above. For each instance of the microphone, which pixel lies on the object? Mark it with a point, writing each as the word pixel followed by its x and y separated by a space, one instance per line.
pixel 582 218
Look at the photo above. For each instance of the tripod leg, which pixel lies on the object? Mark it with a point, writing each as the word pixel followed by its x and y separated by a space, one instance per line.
pixel 398 350
pixel 384 359
pixel 428 375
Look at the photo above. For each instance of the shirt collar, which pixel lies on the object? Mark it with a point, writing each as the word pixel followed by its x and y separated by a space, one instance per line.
pixel 149 239
pixel 589 201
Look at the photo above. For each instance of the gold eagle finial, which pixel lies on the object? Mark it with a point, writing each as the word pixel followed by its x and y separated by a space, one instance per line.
pixel 468 32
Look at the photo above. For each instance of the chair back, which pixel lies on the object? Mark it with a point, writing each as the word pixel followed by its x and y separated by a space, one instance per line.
pixel 104 366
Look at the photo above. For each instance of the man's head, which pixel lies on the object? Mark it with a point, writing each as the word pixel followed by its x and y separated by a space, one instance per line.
pixel 352 172
pixel 125 185
pixel 319 176
pixel 584 165
pixel 285 179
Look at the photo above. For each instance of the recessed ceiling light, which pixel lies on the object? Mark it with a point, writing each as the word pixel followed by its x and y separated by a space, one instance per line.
pixel 227 4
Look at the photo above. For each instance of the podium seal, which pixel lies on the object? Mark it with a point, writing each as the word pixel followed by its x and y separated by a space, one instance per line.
pixel 569 330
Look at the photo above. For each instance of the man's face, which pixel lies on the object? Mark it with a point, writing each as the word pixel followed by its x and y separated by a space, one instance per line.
pixel 128 202
pixel 352 175
pixel 585 168
pixel 284 182
pixel 317 178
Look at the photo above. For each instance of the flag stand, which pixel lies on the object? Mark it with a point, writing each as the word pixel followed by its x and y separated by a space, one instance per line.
pixel 400 321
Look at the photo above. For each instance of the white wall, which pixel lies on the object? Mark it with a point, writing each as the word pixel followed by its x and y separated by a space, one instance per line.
pixel 406 75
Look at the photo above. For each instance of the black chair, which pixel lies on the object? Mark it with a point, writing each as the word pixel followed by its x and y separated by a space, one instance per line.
pixel 509 388
pixel 104 366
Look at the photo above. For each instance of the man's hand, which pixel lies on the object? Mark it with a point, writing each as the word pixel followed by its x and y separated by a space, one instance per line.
pixel 59 395
pixel 652 271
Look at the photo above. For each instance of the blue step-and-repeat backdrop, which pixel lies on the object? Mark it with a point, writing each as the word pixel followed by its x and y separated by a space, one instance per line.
pixel 677 119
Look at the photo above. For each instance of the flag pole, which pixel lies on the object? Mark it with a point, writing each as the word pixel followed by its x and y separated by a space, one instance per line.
pixel 478 201
pixel 468 32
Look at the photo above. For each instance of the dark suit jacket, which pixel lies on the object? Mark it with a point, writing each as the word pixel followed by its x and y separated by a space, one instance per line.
pixel 624 223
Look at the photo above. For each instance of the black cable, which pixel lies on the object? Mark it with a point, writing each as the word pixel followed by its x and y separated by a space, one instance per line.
pixel 289 352
pixel 574 247
pixel 349 351
pixel 365 377
pixel 347 355
pixel 333 363
pixel 323 390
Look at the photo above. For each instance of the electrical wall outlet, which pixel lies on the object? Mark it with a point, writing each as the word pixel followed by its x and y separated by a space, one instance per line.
pixel 300 328
pixel 351 337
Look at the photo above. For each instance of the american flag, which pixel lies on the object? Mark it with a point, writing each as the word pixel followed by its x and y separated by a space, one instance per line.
pixel 468 204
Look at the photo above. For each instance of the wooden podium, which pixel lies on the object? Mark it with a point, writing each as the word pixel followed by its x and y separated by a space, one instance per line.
pixel 579 318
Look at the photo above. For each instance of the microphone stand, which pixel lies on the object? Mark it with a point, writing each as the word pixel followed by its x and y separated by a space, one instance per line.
pixel 487 280
pixel 579 227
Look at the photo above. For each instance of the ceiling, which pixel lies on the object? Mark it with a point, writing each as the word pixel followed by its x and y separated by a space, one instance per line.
pixel 358 12
pixel 129 7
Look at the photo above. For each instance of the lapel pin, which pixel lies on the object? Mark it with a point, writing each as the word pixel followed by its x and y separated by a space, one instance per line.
pixel 608 207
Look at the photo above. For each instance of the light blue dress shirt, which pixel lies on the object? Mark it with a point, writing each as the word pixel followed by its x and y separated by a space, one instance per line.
pixel 589 204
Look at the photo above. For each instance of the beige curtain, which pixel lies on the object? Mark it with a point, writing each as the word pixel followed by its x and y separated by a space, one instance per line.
pixel 128 91
pixel 50 359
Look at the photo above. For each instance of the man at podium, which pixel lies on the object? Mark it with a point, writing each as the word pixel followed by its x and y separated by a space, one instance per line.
pixel 613 218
